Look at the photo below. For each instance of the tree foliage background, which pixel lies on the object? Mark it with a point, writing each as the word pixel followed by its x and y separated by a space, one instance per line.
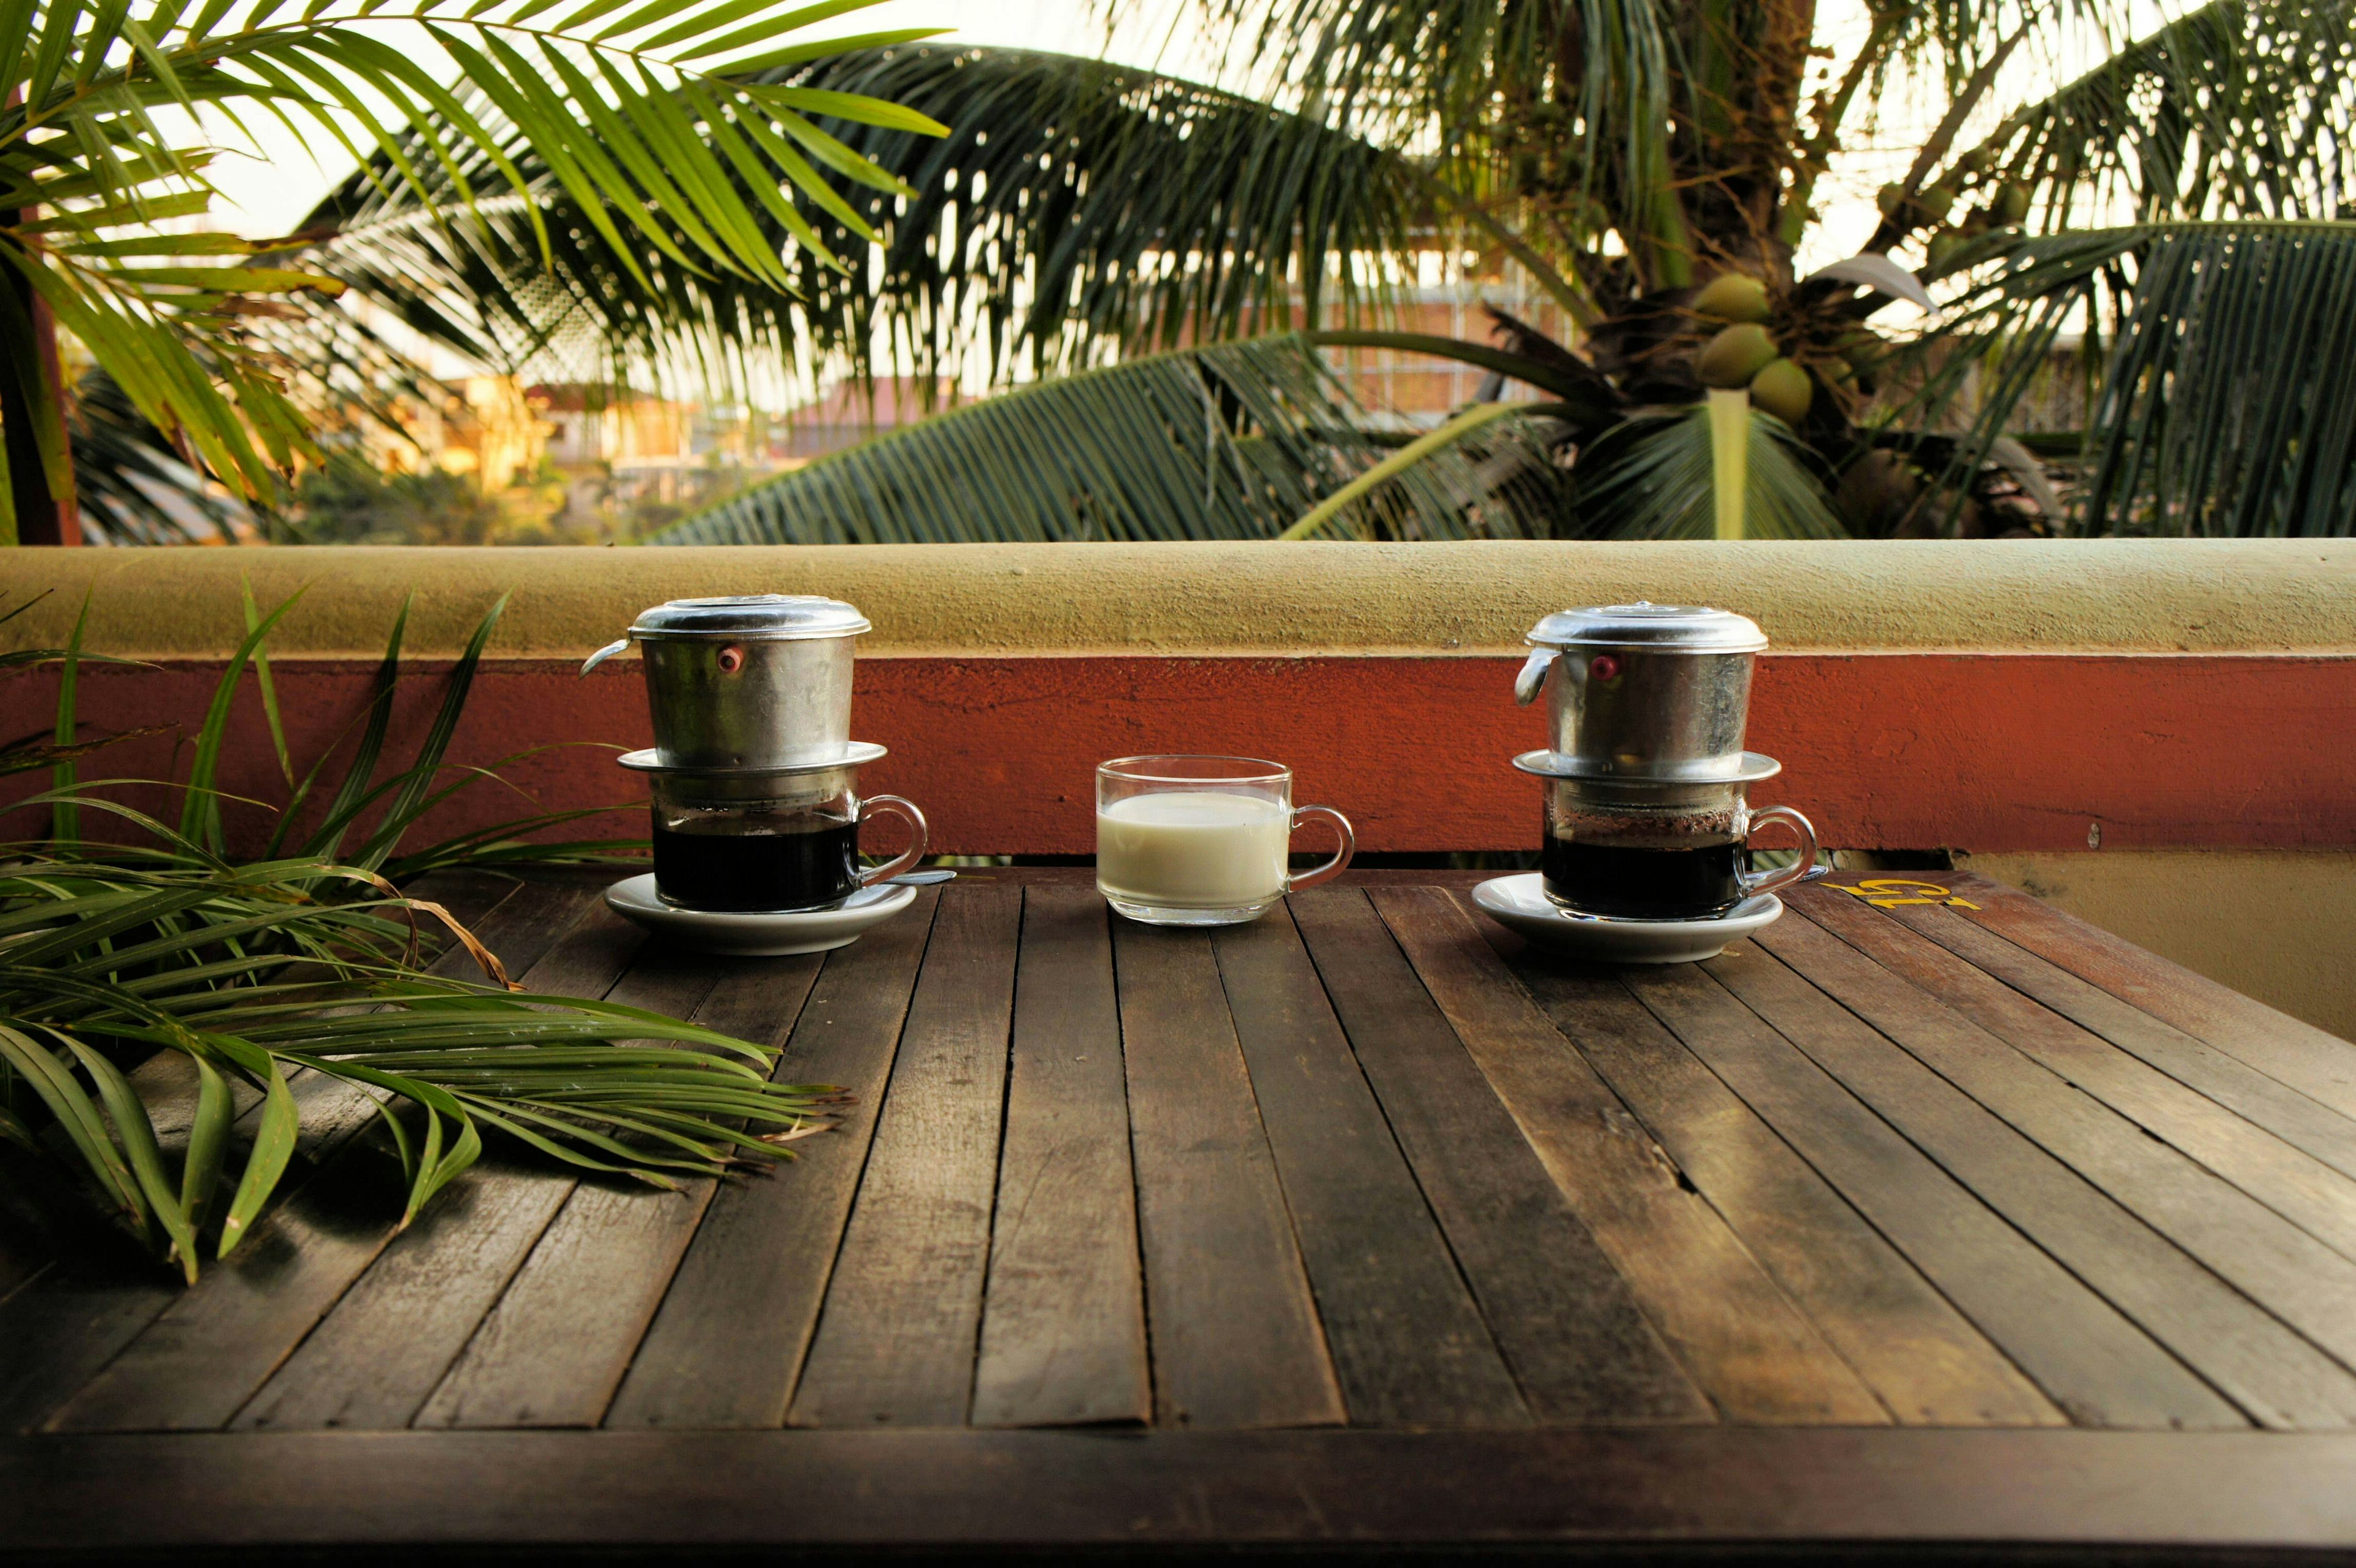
pixel 2161 189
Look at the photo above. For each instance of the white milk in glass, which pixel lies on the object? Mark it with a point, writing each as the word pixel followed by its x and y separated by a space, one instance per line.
pixel 1193 850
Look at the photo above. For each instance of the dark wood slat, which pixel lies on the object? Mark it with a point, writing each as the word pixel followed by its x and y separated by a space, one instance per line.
pixel 2288 1271
pixel 1757 1354
pixel 728 1343
pixel 379 1355
pixel 1569 1328
pixel 2102 1369
pixel 218 1341
pixel 1235 1333
pixel 2317 1063
pixel 2232 1344
pixel 1742 1494
pixel 90 1297
pixel 895 1342
pixel 1407 1343
pixel 1924 1358
pixel 373 1361
pixel 1063 1326
pixel 2298 1120
pixel 1974 971
pixel 553 1349
pixel 25 1245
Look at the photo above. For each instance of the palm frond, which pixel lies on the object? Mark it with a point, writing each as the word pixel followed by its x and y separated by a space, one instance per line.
pixel 1234 441
pixel 2235 109
pixel 1650 478
pixel 2226 408
pixel 2216 353
pixel 131 485
pixel 1073 203
pixel 636 121
pixel 101 958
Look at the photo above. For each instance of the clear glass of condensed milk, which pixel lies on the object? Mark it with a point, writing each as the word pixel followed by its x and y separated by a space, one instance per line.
pixel 1195 840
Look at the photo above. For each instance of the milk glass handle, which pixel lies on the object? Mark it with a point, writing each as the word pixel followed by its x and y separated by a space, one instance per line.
pixel 892 805
pixel 1753 886
pixel 1341 860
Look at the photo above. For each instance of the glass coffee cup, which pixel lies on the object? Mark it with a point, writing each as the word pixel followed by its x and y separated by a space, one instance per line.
pixel 770 842
pixel 1646 850
pixel 1202 840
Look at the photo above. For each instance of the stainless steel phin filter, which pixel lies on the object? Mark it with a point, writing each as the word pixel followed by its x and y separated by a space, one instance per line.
pixel 1654 691
pixel 760 680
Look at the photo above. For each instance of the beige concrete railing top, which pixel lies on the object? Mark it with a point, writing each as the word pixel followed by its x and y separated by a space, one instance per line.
pixel 1261 598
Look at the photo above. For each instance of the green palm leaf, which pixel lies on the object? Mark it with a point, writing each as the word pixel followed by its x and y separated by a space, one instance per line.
pixel 1231 442
pixel 1650 478
pixel 2226 408
pixel 1072 202
pixel 628 121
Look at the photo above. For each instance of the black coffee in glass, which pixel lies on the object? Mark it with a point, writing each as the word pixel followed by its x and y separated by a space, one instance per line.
pixel 1640 882
pixel 757 872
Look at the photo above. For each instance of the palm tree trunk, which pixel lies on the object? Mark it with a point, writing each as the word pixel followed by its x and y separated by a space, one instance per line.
pixel 41 518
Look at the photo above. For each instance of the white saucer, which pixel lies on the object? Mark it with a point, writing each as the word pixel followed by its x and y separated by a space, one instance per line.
pixel 747 935
pixel 1520 904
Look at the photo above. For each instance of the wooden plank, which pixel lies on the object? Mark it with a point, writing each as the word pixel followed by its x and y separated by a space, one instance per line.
pixel 2235 1347
pixel 1235 1337
pixel 373 1361
pixel 1713 1494
pixel 553 1349
pixel 2317 1064
pixel 62 1325
pixel 2099 1367
pixel 1758 1356
pixel 895 1342
pixel 1989 981
pixel 2280 1266
pixel 1571 1331
pixel 1407 1343
pixel 218 1341
pixel 728 1343
pixel 1918 1354
pixel 2292 1116
pixel 1063 1325
pixel 380 1353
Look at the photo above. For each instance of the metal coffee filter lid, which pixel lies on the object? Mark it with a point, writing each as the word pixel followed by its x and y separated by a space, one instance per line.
pixel 758 617
pixel 1668 628
pixel 1738 767
pixel 850 754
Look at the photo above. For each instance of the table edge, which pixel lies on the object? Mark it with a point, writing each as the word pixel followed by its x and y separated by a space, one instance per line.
pixel 1091 1488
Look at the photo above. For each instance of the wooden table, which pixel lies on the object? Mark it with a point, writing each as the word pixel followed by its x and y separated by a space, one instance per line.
pixel 1931 1215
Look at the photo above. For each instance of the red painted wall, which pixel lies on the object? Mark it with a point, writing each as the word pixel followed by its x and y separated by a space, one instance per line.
pixel 1985 752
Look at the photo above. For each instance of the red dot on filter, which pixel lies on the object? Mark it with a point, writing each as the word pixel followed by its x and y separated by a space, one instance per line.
pixel 1603 666
pixel 730 660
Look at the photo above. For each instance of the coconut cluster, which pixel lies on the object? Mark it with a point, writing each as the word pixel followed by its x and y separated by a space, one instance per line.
pixel 1741 354
pixel 2006 204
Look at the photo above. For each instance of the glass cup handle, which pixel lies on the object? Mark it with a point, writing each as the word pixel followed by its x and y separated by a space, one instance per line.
pixel 905 810
pixel 1753 886
pixel 1341 860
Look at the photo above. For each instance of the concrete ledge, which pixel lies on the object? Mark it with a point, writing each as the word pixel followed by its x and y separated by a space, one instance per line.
pixel 2111 596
